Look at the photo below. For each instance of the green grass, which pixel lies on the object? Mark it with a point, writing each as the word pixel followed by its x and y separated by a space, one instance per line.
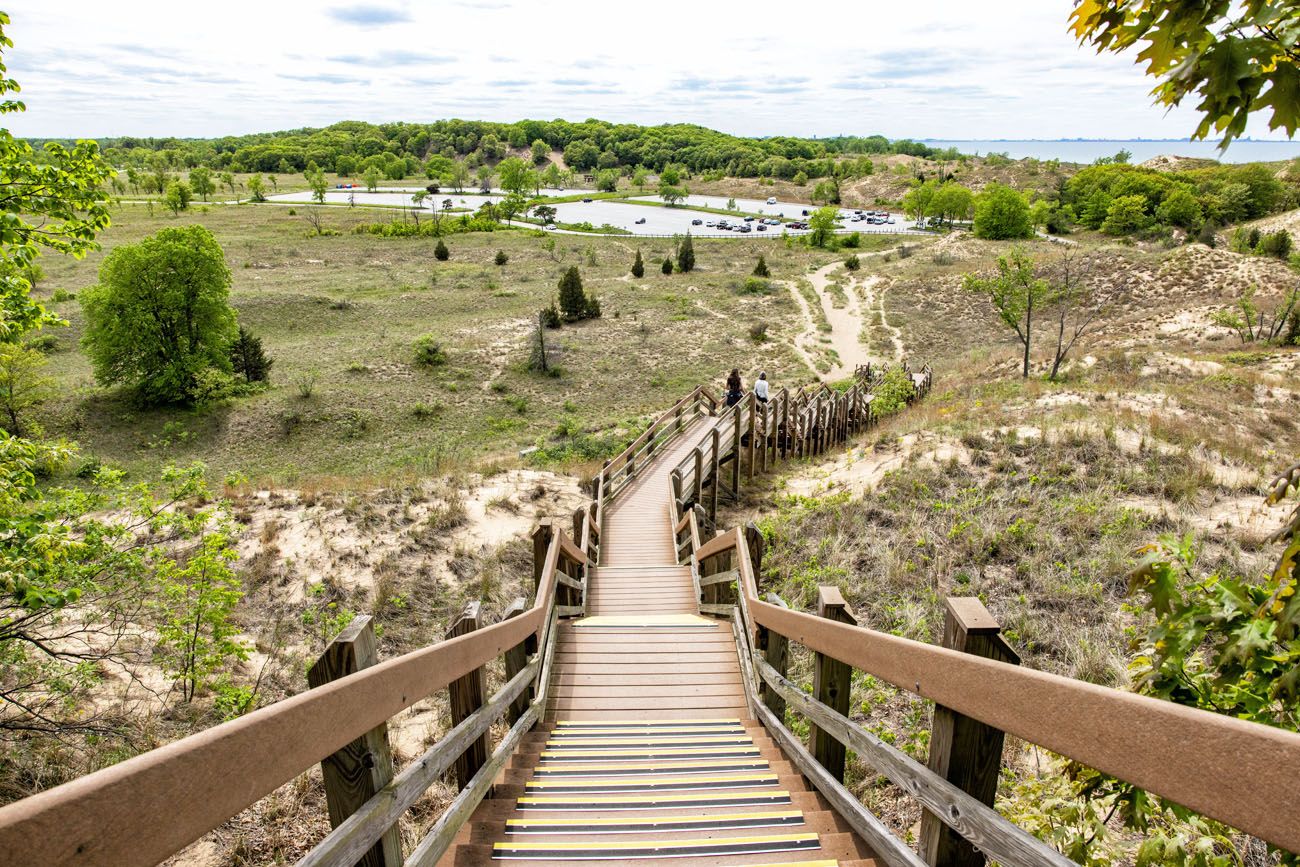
pixel 340 315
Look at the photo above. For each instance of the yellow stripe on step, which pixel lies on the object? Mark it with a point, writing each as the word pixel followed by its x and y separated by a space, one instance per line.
pixel 653 741
pixel 629 731
pixel 659 820
pixel 659 752
pixel 644 723
pixel 650 768
pixel 662 798
pixel 624 621
pixel 694 781
pixel 606 845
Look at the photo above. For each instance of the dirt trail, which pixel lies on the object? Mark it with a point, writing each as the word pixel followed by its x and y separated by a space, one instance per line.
pixel 807 337
pixel 873 299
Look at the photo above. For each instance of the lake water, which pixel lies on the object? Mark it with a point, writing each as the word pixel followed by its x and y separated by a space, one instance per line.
pixel 1087 151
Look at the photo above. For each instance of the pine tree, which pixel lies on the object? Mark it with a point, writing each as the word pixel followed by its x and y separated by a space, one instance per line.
pixel 537 360
pixel 760 270
pixel 686 255
pixel 668 265
pixel 440 252
pixel 638 266
pixel 501 257
pixel 248 358
pixel 573 301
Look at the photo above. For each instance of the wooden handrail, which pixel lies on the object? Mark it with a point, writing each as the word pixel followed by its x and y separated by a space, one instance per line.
pixel 100 818
pixel 1238 772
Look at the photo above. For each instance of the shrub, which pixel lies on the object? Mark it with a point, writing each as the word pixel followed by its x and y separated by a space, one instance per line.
pixel 1207 235
pixel 1276 244
pixel 852 263
pixel 755 286
pixel 943 257
pixel 1002 213
pixel 904 251
pixel 248 358
pixel 440 252
pixel 638 266
pixel 667 267
pixel 501 258
pixel 551 316
pixel 62 295
pixel 760 269
pixel 853 240
pixel 893 392
pixel 1126 214
pixel 429 352
pixel 686 255
pixel 573 300
pixel 758 332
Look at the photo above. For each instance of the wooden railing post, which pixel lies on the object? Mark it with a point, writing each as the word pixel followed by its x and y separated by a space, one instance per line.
pixel 735 454
pixel 756 544
pixel 715 479
pixel 785 421
pixel 831 685
pixel 467 694
pixel 965 752
pixel 516 658
pixel 753 433
pixel 699 475
pixel 355 773
pixel 542 534
pixel 775 647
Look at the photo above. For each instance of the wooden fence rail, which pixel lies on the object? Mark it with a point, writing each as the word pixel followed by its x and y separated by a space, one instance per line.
pixel 1240 773
pixel 145 809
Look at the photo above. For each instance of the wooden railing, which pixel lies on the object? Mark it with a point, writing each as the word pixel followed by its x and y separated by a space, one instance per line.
pixel 620 470
pixel 1238 772
pixel 789 425
pixel 145 809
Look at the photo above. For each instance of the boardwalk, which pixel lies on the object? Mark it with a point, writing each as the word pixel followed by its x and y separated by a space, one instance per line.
pixel 649 750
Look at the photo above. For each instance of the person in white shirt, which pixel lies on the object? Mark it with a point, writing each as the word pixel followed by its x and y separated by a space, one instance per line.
pixel 760 388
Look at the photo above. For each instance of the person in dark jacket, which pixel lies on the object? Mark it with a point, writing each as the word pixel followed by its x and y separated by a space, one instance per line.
pixel 735 388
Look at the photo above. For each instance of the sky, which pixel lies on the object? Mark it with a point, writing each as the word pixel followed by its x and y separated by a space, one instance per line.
pixel 943 69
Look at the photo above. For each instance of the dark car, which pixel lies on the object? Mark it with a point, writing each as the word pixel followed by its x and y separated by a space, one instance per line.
pixel 640 221
pixel 762 228
pixel 697 222
pixel 586 200
pixel 749 219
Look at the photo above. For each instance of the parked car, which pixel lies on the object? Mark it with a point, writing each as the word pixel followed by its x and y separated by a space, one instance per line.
pixel 890 221
pixel 749 219
pixel 640 221
pixel 771 200
pixel 697 222
pixel 744 229
pixel 551 227
pixel 762 227
pixel 710 224
pixel 586 200
pixel 804 213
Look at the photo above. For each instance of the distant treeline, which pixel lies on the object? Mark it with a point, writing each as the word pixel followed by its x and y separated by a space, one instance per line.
pixel 349 147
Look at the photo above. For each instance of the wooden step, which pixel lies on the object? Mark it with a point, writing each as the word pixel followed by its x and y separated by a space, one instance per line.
pixel 624 850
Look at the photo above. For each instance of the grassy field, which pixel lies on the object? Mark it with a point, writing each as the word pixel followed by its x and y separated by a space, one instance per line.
pixel 339 315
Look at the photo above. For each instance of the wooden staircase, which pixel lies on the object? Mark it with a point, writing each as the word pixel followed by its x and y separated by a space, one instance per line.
pixel 648 750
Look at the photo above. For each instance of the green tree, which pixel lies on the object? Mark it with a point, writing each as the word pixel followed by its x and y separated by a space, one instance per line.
pixel 1016 290
pixel 800 178
pixel 918 201
pixel 638 265
pixel 201 182
pixel 458 176
pixel 552 176
pixel 371 178
pixel 686 255
pixel 761 269
pixel 640 177
pixel 667 266
pixel 1127 214
pixel 671 194
pixel 670 175
pixel 545 214
pixel 440 251
pixel 316 180
pixel 573 300
pixel 22 385
pixel 1181 209
pixel 160 315
pixel 257 188
pixel 178 196
pixel 607 180
pixel 952 202
pixel 501 258
pixel 193 610
pixel 1002 213
pixel 485 174
pixel 823 225
pixel 516 176
pixel 228 180
pixel 248 359
pixel 540 150
pixel 1236 58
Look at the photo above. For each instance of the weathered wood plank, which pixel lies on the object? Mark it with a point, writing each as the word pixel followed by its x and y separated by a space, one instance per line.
pixel 355 773
pixel 832 682
pixel 467 694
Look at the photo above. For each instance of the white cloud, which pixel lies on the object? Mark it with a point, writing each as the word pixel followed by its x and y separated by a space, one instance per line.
pixel 943 69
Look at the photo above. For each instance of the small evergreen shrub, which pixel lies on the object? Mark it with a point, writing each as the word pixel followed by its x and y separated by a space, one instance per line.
pixel 760 269
pixel 429 352
pixel 440 252
pixel 501 257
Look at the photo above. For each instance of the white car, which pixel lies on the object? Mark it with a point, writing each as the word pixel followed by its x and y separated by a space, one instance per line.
pixel 551 227
pixel 771 200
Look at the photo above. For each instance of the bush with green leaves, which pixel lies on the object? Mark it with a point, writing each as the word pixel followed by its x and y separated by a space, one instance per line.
pixel 893 392
pixel 760 268
pixel 160 314
pixel 501 258
pixel 755 286
pixel 852 263
pixel 248 359
pixel 429 351
pixel 1002 213
pixel 440 251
